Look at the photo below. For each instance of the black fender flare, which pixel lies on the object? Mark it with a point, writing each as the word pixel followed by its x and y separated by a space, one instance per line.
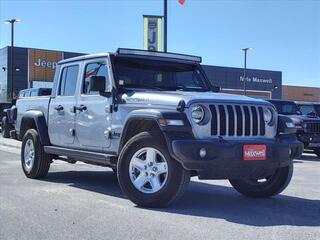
pixel 39 120
pixel 154 115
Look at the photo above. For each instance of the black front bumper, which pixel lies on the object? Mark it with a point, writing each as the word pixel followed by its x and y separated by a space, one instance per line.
pixel 224 158
pixel 309 139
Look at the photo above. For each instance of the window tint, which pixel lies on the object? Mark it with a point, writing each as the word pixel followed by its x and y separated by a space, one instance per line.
pixel 159 75
pixel 68 81
pixel 94 69
pixel 44 92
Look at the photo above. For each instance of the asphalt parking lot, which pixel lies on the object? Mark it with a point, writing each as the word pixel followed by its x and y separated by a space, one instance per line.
pixel 85 202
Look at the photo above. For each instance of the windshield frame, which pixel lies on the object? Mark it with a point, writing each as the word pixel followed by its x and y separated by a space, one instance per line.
pixel 208 86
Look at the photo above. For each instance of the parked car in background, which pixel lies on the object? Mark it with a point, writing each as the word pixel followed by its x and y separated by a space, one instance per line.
pixel 3 106
pixel 34 92
pixel 309 108
pixel 308 124
pixel 9 113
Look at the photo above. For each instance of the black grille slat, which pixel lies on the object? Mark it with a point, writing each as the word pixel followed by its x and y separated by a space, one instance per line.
pixel 231 120
pixel 239 121
pixel 214 122
pixel 254 121
pixel 262 123
pixel 247 121
pixel 222 119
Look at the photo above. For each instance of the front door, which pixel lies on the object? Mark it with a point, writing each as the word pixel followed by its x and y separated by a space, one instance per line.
pixel 61 108
pixel 93 120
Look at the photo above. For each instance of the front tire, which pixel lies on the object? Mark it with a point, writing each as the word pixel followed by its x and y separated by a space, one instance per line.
pixel 271 186
pixel 147 174
pixel 35 162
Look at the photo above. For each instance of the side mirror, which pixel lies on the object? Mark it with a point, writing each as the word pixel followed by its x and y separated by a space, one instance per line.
pixel 98 84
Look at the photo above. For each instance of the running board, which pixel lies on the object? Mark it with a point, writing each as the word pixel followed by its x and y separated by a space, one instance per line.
pixel 83 156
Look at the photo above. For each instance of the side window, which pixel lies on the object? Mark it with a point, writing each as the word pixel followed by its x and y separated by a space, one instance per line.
pixel 68 81
pixel 94 69
pixel 33 93
pixel 26 93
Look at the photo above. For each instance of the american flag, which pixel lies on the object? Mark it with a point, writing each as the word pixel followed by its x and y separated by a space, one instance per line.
pixel 92 72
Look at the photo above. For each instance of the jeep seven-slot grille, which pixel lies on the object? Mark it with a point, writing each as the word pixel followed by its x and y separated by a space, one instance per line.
pixel 237 120
pixel 313 127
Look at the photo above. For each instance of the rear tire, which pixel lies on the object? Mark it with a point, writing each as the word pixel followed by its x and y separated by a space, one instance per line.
pixel 273 185
pixel 5 128
pixel 156 189
pixel 35 162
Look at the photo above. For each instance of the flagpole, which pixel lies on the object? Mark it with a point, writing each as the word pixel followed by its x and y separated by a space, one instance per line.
pixel 165 18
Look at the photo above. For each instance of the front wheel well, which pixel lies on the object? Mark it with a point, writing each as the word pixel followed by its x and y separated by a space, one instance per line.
pixel 136 126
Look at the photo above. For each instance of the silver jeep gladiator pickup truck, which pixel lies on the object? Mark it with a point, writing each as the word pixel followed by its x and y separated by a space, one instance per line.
pixel 156 121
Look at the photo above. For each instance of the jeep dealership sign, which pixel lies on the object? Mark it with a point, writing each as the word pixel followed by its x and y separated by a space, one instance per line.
pixel 153 33
pixel 42 64
pixel 257 80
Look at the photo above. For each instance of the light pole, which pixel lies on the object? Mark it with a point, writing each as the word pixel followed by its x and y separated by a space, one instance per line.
pixel 11 21
pixel 245 50
pixel 165 19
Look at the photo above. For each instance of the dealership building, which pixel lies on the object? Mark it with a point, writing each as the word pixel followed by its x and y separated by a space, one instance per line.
pixel 35 68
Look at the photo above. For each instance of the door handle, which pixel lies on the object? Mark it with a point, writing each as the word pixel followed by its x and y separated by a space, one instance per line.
pixel 59 108
pixel 81 108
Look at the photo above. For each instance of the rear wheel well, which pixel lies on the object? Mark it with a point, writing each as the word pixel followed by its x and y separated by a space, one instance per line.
pixel 26 124
pixel 137 126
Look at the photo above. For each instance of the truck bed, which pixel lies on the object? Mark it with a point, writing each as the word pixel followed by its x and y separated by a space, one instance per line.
pixel 32 103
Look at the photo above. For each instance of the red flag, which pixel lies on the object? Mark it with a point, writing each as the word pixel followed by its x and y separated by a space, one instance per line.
pixel 182 2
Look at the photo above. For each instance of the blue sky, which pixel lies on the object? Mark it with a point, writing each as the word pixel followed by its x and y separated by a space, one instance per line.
pixel 285 35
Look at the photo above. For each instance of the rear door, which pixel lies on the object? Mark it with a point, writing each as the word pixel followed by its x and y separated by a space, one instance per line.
pixel 93 125
pixel 61 107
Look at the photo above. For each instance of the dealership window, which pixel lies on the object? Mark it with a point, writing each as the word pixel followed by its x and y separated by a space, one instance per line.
pixel 68 81
pixel 94 69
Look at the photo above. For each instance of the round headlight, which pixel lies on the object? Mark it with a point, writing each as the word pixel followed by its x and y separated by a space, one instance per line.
pixel 197 114
pixel 268 115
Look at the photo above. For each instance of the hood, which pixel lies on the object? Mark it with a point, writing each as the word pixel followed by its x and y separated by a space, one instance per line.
pixel 304 117
pixel 172 98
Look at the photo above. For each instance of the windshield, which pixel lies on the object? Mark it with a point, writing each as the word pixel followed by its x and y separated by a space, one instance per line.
pixel 287 108
pixel 307 109
pixel 159 75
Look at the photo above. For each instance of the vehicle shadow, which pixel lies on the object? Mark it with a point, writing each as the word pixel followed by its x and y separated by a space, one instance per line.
pixel 215 201
pixel 210 201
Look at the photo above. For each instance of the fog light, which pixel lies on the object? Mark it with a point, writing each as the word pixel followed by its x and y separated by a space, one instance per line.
pixel 203 152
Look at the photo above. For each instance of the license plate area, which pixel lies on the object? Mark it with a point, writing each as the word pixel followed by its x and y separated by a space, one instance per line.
pixel 254 152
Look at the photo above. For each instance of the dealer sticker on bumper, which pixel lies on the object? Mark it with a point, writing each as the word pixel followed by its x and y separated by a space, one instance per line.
pixel 254 152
